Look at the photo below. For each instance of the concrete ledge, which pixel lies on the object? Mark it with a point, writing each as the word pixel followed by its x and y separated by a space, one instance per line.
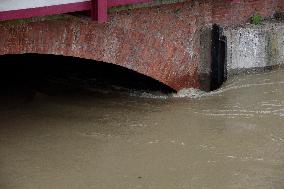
pixel 255 48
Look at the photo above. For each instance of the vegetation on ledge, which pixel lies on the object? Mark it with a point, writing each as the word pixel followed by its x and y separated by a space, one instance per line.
pixel 256 19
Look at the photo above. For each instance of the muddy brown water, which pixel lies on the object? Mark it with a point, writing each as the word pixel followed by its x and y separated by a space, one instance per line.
pixel 232 138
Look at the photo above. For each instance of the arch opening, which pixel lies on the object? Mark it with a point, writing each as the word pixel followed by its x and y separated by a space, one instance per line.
pixel 55 74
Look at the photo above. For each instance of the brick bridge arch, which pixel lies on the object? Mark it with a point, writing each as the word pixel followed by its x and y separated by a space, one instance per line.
pixel 162 42
pixel 152 45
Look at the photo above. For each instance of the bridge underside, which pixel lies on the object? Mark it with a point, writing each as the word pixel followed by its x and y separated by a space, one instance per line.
pixel 168 43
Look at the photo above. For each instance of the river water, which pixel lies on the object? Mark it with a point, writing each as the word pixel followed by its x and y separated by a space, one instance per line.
pixel 232 138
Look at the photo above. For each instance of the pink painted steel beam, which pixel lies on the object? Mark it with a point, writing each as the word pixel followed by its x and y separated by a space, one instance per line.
pixel 43 11
pixel 98 8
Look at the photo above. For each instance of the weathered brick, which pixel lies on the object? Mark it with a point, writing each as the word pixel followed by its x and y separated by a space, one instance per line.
pixel 161 42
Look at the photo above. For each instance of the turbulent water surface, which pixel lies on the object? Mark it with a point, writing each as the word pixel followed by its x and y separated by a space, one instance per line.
pixel 232 138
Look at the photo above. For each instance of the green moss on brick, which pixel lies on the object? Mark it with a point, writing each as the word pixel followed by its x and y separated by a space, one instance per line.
pixel 34 19
pixel 143 5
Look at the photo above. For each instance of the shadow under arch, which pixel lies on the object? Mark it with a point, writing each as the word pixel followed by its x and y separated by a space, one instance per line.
pixel 54 73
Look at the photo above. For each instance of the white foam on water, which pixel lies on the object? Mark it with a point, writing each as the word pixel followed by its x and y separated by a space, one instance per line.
pixel 189 93
pixel 151 95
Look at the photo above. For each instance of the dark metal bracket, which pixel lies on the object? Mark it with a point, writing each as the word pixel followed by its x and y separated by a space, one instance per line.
pixel 218 57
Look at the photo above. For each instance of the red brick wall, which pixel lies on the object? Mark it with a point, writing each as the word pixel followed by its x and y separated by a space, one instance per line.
pixel 240 12
pixel 163 42
pixel 281 5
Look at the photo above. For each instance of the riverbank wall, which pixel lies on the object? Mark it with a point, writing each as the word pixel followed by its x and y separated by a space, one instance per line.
pixel 254 48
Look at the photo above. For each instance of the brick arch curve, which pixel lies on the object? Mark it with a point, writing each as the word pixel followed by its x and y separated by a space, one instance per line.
pixel 133 42
pixel 162 42
pixel 105 74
